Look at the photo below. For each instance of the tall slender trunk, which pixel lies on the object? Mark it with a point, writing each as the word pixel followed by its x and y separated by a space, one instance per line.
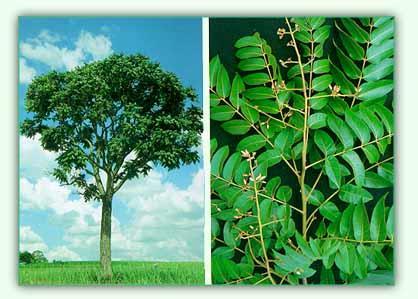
pixel 105 238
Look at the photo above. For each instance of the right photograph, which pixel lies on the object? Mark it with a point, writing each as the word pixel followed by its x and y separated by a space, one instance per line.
pixel 302 150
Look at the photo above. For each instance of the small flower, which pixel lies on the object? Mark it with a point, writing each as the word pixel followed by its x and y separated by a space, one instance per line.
pixel 281 32
pixel 245 154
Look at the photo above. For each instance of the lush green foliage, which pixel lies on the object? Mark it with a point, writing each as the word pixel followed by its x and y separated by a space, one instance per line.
pixel 97 115
pixel 32 258
pixel 125 273
pixel 305 196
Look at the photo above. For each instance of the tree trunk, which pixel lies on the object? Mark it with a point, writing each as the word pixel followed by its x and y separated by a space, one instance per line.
pixel 105 238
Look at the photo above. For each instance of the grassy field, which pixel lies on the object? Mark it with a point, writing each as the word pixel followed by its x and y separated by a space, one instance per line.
pixel 125 273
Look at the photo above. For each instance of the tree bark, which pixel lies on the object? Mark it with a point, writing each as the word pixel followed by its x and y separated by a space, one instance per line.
pixel 105 238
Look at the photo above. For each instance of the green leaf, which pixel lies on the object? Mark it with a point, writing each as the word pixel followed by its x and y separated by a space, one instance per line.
pixel 378 258
pixel 343 132
pixel 303 36
pixel 258 93
pixel 390 223
pixel 346 86
pixel 354 50
pixel 386 171
pixel 338 105
pixel 330 211
pixel 361 223
pixel 221 113
pixel 250 113
pixel 346 222
pixel 380 21
pixel 319 101
pixel 344 259
pixel 378 52
pixel 324 142
pixel 242 172
pixel 213 146
pixel 284 193
pixel 304 246
pixel 333 170
pixel 383 32
pixel 248 41
pixel 354 194
pixel 228 235
pixel 223 270
pixel 375 90
pixel 231 166
pixel 375 278
pixel 249 52
pixel 377 222
pixel 386 116
pixel 268 106
pixel 320 66
pixel 371 152
pixel 349 67
pixel 358 126
pixel 218 160
pixel 372 121
pixel 317 120
pixel 214 99
pixel 322 82
pixel 272 185
pixel 358 33
pixel 271 157
pixel 354 160
pixel 251 64
pixel 373 180
pixel 321 34
pixel 360 266
pixel 214 66
pixel 244 202
pixel 224 252
pixel 265 211
pixel 236 88
pixel 256 79
pixel 251 143
pixel 375 72
pixel 236 127
pixel 284 140
pixel 314 197
pixel 223 85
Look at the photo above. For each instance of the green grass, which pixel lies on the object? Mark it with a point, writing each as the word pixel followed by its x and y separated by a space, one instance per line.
pixel 125 273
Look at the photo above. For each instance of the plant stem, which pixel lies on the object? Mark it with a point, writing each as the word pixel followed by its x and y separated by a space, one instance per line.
pixel 260 224
pixel 305 134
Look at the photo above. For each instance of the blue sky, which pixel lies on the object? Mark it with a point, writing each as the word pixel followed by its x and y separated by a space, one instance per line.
pixel 159 217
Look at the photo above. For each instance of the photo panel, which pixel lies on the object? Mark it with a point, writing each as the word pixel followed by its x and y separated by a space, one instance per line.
pixel 111 179
pixel 302 158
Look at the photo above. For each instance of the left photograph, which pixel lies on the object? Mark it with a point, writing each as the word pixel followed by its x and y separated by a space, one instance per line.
pixel 111 180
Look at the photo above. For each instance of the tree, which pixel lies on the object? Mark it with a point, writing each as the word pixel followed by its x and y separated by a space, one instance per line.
pixel 110 121
pixel 38 257
pixel 25 257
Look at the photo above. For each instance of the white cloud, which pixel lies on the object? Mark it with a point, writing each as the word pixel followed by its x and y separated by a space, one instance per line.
pixel 26 73
pixel 31 241
pixel 48 36
pixel 98 46
pixel 163 222
pixel 44 49
pixel 62 253
pixel 35 162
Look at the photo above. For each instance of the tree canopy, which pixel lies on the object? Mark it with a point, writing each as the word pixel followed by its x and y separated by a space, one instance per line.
pixel 108 120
